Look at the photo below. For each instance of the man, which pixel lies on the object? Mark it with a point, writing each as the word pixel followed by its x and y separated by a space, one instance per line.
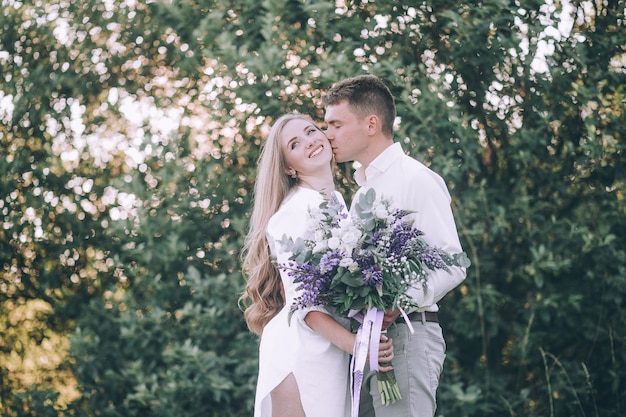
pixel 360 113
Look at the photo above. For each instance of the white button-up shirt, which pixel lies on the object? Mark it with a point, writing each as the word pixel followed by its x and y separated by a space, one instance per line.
pixel 412 186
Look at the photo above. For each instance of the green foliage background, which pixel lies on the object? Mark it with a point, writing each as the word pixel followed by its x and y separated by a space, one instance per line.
pixel 129 137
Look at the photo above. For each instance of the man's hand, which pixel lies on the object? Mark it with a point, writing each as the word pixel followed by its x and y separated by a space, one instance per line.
pixel 390 317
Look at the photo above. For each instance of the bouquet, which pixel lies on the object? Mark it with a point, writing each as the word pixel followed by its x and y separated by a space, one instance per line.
pixel 362 265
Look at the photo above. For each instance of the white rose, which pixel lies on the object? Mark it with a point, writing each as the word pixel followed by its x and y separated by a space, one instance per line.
pixel 351 237
pixel 353 267
pixel 384 214
pixel 347 262
pixel 334 242
pixel 345 223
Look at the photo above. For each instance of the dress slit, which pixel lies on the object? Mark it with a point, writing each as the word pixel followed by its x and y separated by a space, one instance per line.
pixel 286 398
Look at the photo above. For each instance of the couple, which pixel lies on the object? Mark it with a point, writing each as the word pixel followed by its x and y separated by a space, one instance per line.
pixel 304 365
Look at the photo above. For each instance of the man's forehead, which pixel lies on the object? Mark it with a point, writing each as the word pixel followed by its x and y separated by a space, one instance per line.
pixel 337 112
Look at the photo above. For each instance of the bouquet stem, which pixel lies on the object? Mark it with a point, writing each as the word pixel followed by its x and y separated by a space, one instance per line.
pixel 388 387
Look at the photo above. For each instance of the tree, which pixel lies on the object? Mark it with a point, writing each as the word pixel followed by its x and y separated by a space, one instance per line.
pixel 133 241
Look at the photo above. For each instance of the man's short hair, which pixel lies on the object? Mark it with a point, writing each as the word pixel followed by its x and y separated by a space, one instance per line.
pixel 365 94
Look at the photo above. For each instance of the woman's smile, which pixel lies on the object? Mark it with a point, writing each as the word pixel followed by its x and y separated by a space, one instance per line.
pixel 317 151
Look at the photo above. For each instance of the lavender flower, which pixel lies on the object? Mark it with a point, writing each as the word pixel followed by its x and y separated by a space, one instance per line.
pixel 373 276
pixel 401 236
pixel 364 259
pixel 313 284
pixel 378 236
pixel 330 260
pixel 431 257
pixel 340 215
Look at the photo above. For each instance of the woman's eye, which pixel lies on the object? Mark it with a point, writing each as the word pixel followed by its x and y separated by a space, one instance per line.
pixel 293 145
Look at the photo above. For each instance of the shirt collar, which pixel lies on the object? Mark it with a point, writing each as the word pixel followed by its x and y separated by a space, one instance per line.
pixel 378 165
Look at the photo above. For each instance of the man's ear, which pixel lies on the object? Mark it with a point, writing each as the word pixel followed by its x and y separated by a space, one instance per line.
pixel 373 124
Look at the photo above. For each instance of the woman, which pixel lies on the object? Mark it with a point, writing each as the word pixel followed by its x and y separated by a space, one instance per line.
pixel 304 364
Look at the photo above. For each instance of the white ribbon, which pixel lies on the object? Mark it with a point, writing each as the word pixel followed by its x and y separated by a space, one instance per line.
pixel 367 339
pixel 406 319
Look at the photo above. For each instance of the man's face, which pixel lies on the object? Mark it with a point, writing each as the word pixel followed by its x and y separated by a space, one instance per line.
pixel 346 132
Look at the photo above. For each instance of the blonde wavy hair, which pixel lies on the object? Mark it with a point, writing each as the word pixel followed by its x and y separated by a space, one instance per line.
pixel 263 297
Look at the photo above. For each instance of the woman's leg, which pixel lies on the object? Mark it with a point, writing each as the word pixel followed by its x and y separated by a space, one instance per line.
pixel 286 399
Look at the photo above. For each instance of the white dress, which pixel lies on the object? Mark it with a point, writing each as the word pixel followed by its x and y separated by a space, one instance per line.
pixel 320 368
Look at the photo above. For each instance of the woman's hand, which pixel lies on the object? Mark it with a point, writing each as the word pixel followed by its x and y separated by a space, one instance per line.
pixel 385 353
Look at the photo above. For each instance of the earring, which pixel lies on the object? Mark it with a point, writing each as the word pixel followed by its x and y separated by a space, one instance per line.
pixel 294 175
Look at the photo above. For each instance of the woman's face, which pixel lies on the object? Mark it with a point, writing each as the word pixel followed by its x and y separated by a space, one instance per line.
pixel 305 148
